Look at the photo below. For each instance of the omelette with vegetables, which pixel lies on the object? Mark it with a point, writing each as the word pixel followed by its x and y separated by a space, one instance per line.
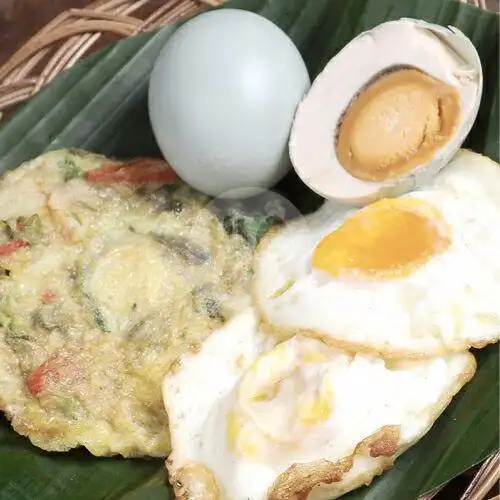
pixel 109 271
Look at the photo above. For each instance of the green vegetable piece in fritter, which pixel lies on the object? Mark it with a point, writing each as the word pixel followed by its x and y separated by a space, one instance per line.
pixel 205 303
pixel 6 233
pixel 5 320
pixel 96 313
pixel 69 169
pixel 29 228
pixel 252 228
pixel 68 406
pixel 99 319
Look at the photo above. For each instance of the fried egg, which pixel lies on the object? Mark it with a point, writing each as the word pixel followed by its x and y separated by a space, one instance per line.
pixel 414 276
pixel 251 420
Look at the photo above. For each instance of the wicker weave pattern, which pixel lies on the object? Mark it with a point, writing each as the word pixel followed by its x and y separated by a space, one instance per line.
pixel 71 35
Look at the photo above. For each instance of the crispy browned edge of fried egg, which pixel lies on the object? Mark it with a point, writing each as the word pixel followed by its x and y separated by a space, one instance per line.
pixel 299 480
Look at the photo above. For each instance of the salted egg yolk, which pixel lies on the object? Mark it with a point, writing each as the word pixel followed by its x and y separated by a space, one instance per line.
pixel 396 123
pixel 387 239
pixel 284 395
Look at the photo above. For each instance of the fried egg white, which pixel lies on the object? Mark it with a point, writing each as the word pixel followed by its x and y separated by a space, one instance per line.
pixel 302 419
pixel 414 276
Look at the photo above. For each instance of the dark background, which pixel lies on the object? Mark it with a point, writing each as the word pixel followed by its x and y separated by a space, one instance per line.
pixel 20 19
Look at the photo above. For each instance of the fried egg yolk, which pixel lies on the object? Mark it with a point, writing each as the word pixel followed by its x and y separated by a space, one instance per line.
pixel 284 396
pixel 390 238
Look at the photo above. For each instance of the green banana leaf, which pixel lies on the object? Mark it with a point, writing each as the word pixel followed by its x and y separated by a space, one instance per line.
pixel 101 105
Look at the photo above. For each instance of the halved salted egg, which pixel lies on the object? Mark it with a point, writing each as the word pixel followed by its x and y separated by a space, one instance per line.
pixel 387 112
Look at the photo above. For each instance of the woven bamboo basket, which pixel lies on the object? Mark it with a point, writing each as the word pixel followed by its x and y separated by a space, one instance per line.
pixel 76 32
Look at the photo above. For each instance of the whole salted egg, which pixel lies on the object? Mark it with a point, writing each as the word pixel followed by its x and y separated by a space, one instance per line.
pixel 222 98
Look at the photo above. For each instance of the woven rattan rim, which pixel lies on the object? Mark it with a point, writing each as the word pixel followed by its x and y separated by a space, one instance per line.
pixel 72 34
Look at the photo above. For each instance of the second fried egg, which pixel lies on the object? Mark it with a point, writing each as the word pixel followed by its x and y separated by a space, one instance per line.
pixel 302 419
pixel 414 276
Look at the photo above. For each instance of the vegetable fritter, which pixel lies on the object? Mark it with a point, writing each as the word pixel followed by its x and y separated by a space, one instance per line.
pixel 108 271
